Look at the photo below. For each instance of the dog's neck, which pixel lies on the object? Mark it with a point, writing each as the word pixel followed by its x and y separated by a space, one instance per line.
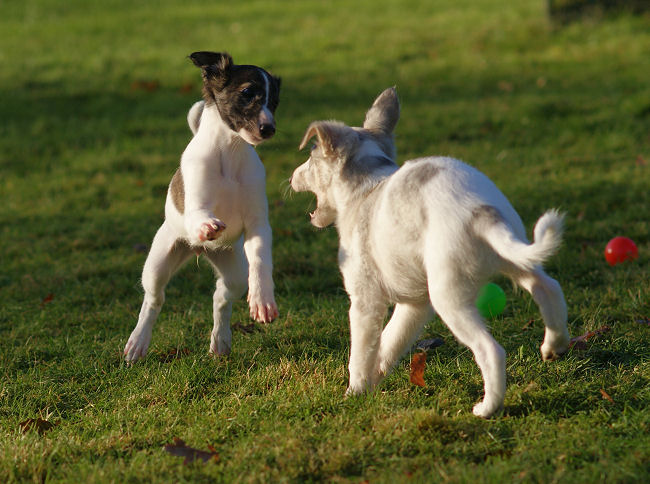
pixel 215 143
pixel 357 187
pixel 215 128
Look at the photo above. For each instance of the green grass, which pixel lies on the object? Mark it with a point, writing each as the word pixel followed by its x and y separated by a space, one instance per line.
pixel 557 117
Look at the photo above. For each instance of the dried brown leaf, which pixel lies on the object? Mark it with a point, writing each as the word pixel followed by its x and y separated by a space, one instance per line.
pixel 173 354
pixel 246 328
pixel 40 425
pixel 190 454
pixel 580 342
pixel 418 361
pixel 47 299
pixel 145 85
pixel 606 396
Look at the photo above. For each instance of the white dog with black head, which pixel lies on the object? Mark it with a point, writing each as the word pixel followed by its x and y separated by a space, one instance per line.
pixel 424 236
pixel 216 203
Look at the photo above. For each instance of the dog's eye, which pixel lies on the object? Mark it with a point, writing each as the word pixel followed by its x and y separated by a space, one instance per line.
pixel 247 94
pixel 314 146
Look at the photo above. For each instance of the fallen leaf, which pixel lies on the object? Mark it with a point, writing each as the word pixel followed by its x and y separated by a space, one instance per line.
pixel 531 386
pixel 505 86
pixel 39 424
pixel 246 329
pixel 149 86
pixel 418 360
pixel 190 454
pixel 47 299
pixel 173 354
pixel 187 87
pixel 528 325
pixel 606 396
pixel 580 342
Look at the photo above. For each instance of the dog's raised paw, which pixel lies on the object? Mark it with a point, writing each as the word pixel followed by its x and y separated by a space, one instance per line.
pixel 211 230
pixel 263 312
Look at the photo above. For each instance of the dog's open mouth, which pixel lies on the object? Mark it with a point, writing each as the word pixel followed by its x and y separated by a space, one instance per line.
pixel 321 217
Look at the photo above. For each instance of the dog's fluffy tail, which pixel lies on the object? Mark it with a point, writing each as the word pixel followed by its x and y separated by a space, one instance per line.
pixel 194 116
pixel 547 239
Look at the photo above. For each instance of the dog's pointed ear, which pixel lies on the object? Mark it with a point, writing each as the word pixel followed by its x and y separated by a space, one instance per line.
pixel 330 135
pixel 215 66
pixel 312 131
pixel 202 59
pixel 384 112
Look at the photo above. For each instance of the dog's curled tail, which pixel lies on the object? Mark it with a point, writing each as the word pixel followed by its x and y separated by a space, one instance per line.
pixel 194 116
pixel 547 239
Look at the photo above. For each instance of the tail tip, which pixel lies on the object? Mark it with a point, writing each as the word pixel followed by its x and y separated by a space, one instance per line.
pixel 550 224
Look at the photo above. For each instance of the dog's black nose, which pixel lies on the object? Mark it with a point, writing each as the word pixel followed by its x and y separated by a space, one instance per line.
pixel 267 130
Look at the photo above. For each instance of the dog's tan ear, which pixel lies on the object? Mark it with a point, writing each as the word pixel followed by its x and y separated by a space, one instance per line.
pixel 384 112
pixel 331 136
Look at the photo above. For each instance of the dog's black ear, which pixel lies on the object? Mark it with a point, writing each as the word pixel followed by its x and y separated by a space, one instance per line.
pixel 215 67
pixel 221 60
pixel 384 112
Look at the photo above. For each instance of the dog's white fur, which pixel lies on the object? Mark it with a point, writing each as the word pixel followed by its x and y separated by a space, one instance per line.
pixel 222 175
pixel 427 235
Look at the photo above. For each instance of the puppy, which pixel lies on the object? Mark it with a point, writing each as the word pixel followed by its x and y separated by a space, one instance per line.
pixel 424 236
pixel 216 203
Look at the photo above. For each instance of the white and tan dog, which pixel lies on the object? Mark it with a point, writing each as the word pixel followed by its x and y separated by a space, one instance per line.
pixel 424 236
pixel 216 202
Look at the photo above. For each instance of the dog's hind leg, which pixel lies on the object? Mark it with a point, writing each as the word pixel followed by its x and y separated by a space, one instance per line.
pixel 232 272
pixel 548 295
pixel 399 334
pixel 453 298
pixel 167 254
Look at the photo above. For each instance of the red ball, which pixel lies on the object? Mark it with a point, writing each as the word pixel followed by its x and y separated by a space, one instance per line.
pixel 620 249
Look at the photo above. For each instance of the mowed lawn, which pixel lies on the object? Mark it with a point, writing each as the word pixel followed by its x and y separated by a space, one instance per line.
pixel 93 104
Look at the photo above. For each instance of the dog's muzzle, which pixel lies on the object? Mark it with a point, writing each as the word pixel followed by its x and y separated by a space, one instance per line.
pixel 266 130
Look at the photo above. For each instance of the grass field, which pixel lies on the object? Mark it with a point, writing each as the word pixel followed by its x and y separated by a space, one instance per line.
pixel 93 99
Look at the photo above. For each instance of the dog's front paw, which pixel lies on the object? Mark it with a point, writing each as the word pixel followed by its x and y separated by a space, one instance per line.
pixel 552 352
pixel 210 230
pixel 138 344
pixel 220 344
pixel 486 409
pixel 351 392
pixel 262 310
pixel 356 390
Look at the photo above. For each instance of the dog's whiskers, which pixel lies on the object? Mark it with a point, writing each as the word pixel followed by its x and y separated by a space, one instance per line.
pixel 285 187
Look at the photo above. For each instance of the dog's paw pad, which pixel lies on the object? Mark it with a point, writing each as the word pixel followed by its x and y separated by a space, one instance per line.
pixel 264 312
pixel 211 230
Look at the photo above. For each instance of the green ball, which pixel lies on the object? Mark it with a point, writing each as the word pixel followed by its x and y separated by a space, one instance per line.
pixel 491 300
